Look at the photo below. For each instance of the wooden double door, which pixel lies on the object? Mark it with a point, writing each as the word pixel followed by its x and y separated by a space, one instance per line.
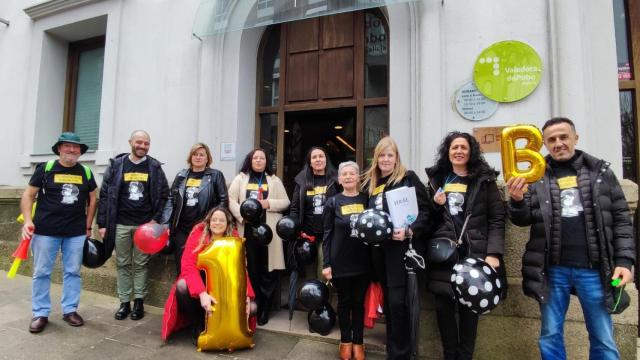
pixel 323 82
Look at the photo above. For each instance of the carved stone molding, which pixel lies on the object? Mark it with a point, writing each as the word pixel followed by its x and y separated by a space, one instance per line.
pixel 51 7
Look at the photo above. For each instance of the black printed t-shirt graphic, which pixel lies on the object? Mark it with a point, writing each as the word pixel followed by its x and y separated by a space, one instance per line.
pixel 62 200
pixel 314 205
pixel 257 188
pixel 189 214
pixel 376 201
pixel 456 191
pixel 134 201
pixel 573 245
pixel 349 255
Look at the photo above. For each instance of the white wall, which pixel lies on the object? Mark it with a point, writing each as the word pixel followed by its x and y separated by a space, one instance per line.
pixel 160 78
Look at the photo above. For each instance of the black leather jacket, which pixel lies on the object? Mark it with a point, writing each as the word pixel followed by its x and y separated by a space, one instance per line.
pixel 110 191
pixel 213 192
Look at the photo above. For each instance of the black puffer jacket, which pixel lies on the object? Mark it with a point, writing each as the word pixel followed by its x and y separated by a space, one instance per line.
pixel 611 222
pixel 213 192
pixel 110 192
pixel 485 230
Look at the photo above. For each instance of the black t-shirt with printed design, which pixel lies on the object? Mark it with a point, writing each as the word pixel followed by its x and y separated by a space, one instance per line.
pixel 257 188
pixel 134 200
pixel 314 205
pixel 573 244
pixel 189 215
pixel 344 251
pixel 62 200
pixel 456 190
pixel 376 200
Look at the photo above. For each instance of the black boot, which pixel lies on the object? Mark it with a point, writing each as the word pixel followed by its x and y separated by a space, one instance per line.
pixel 138 309
pixel 123 311
pixel 263 316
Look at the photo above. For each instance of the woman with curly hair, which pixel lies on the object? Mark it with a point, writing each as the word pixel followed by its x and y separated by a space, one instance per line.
pixel 464 185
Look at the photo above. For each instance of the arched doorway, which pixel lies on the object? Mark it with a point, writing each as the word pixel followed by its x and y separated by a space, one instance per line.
pixel 323 81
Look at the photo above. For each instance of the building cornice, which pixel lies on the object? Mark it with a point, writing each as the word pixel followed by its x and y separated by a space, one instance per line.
pixel 51 7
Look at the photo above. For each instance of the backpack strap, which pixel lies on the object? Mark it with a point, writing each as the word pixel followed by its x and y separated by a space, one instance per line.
pixel 87 170
pixel 49 165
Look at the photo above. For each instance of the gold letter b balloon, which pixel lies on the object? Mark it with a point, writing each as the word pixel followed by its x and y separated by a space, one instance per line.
pixel 511 155
pixel 226 328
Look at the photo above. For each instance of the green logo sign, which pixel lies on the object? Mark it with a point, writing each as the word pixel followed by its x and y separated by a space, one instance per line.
pixel 507 71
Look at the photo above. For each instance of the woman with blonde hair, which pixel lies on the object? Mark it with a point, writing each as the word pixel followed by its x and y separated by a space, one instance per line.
pixel 195 190
pixel 385 173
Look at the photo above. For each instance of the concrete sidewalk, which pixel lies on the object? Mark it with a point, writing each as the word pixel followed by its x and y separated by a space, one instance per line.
pixel 103 337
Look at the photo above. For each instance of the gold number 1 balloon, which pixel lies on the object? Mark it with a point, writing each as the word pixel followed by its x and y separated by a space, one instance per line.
pixel 511 155
pixel 226 327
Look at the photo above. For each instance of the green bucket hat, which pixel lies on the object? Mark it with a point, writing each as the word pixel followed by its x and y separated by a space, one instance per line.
pixel 69 137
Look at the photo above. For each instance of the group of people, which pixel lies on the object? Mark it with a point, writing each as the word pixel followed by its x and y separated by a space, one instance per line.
pixel 581 235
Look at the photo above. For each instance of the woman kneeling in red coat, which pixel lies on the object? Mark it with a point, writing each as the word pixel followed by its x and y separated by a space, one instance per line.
pixel 189 300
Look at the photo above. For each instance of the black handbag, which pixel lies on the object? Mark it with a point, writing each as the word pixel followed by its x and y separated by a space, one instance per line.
pixel 444 250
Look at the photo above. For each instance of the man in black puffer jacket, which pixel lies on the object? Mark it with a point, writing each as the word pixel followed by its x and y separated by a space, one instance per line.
pixel 581 240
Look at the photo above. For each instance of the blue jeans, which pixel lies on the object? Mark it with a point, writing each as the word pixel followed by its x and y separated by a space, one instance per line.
pixel 588 287
pixel 45 250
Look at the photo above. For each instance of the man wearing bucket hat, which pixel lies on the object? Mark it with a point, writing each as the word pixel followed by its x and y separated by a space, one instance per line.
pixel 62 220
pixel 134 192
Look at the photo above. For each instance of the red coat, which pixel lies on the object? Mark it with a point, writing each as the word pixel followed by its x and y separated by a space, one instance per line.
pixel 172 319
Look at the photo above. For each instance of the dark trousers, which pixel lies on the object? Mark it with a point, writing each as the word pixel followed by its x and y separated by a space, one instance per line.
pixel 458 335
pixel 191 308
pixel 397 317
pixel 264 282
pixel 351 292
pixel 179 240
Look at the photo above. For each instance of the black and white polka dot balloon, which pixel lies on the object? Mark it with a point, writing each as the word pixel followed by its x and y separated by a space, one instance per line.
pixel 374 227
pixel 476 285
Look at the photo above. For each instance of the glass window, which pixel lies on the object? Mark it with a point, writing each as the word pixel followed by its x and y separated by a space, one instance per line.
pixel 376 55
pixel 621 23
pixel 629 159
pixel 88 96
pixel 271 69
pixel 269 136
pixel 375 128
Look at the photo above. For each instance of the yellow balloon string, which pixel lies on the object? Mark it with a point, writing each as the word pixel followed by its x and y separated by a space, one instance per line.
pixel 14 268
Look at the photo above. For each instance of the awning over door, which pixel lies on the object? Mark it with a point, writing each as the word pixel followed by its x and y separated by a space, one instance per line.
pixel 220 16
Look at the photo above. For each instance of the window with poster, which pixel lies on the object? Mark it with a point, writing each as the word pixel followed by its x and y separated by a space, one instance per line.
pixel 627 27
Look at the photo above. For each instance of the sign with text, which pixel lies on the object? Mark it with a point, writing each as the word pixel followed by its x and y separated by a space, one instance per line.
pixel 507 71
pixel 472 105
pixel 489 138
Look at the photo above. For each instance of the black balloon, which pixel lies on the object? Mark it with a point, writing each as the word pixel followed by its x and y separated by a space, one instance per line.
pixel 93 254
pixel 287 228
pixel 442 251
pixel 374 227
pixel 306 252
pixel 262 234
pixel 476 285
pixel 322 320
pixel 313 294
pixel 251 211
